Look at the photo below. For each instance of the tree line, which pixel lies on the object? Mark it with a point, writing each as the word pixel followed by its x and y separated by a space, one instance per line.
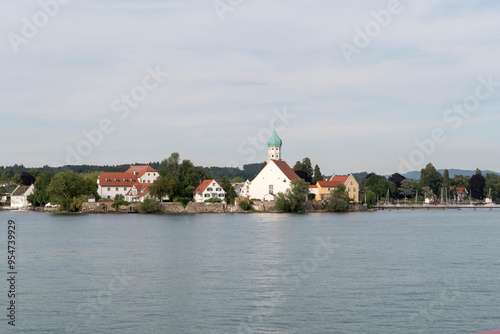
pixel 431 185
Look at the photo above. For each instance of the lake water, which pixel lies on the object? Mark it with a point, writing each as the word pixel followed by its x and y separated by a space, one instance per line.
pixel 381 272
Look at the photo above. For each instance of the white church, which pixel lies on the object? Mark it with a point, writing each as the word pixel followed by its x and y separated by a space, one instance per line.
pixel 276 177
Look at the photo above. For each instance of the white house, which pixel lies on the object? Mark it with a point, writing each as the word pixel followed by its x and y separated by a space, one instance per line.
pixel 19 197
pixel 208 189
pixel 109 185
pixel 139 192
pixel 242 189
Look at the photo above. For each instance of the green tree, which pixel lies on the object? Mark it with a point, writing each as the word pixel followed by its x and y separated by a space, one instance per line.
pixel 66 186
pixel 371 199
pixel 477 184
pixel 406 189
pixel 229 189
pixel 17 179
pixel 304 169
pixel 150 205
pixel 307 168
pixel 396 178
pixel 77 203
pixel 431 178
pixel 459 181
pixel 188 192
pixel 244 205
pixel 339 201
pixel 27 179
pixel 237 179
pixel 40 196
pixel 317 176
pixel 170 166
pixel 187 174
pixel 164 186
pixel 293 199
pixel 493 183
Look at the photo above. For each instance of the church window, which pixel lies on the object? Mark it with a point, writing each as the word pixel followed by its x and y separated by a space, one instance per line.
pixel 271 189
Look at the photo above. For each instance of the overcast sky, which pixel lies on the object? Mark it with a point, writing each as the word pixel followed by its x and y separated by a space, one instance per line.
pixel 347 101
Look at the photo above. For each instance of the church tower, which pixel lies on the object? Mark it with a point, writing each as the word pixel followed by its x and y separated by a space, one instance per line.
pixel 274 147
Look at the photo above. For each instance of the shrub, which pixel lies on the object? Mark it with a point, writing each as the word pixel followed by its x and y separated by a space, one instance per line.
pixel 183 200
pixel 150 205
pixel 119 202
pixel 294 198
pixel 244 205
pixel 339 202
pixel 76 203
pixel 213 200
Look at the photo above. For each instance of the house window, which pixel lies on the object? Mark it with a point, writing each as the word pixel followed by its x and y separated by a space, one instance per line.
pixel 221 195
pixel 217 189
pixel 207 195
pixel 117 188
pixel 271 189
pixel 209 189
pixel 124 188
pixel 351 183
pixel 349 189
pixel 354 188
pixel 329 189
pixel 109 189
pixel 354 196
pixel 149 174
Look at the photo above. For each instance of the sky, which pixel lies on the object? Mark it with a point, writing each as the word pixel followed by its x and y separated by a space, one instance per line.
pixel 382 86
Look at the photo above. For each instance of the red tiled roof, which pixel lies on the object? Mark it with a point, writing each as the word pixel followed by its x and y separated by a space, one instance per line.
pixel 117 179
pixel 329 184
pixel 203 186
pixel 140 170
pixel 342 179
pixel 313 186
pixel 289 173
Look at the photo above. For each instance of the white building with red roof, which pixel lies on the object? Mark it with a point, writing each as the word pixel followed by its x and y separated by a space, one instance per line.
pixel 109 185
pixel 276 177
pixel 208 189
pixel 138 193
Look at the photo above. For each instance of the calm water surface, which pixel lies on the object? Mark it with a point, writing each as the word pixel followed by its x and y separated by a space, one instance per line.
pixel 382 272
